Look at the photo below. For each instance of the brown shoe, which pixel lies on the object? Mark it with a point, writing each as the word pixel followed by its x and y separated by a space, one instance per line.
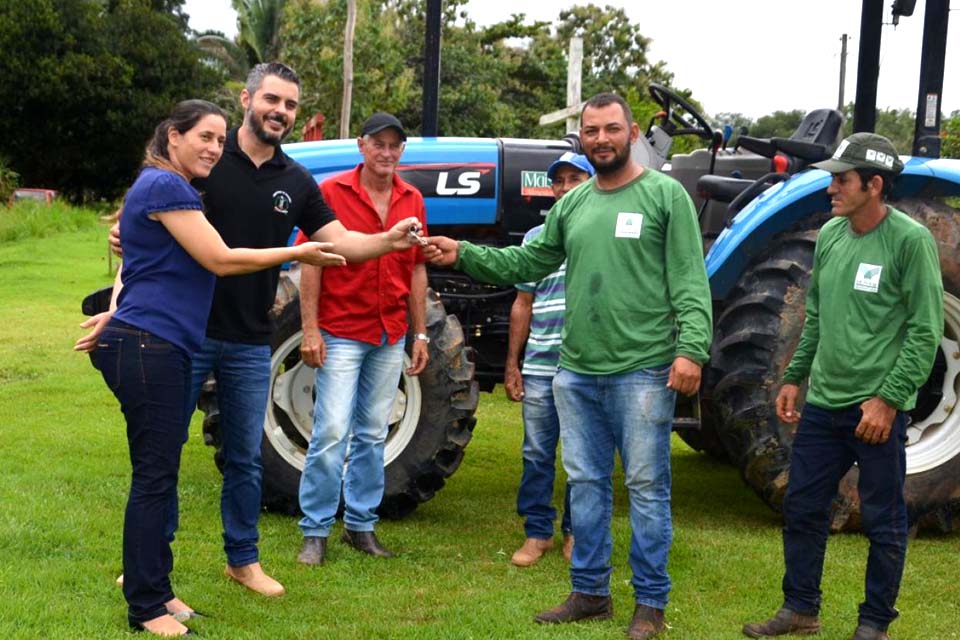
pixel 531 551
pixel 784 622
pixel 568 546
pixel 578 606
pixel 252 577
pixel 864 632
pixel 647 622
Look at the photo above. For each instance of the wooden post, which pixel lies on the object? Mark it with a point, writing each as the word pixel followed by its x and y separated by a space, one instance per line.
pixel 574 74
pixel 570 113
pixel 348 69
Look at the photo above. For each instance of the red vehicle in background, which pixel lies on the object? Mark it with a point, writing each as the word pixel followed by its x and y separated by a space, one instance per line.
pixel 46 196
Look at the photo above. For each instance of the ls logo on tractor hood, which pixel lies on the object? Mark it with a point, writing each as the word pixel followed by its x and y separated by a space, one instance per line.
pixel 473 180
pixel 469 184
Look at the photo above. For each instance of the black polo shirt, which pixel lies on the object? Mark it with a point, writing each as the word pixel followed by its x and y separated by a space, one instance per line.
pixel 255 208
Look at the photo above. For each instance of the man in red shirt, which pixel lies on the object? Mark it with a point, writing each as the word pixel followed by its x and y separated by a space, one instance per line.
pixel 354 330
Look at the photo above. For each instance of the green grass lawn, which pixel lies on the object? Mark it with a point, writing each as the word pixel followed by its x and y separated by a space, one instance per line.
pixel 65 476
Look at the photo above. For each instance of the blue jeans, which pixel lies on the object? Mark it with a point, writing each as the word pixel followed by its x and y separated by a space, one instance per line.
pixel 243 383
pixel 356 387
pixel 151 379
pixel 599 415
pixel 541 434
pixel 824 449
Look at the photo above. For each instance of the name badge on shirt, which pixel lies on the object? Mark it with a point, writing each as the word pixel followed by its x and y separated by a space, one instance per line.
pixel 868 277
pixel 629 225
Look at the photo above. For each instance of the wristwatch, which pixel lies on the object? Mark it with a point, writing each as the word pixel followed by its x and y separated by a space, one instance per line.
pixel 422 336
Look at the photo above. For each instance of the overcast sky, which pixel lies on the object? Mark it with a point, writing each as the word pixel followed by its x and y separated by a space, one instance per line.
pixel 747 56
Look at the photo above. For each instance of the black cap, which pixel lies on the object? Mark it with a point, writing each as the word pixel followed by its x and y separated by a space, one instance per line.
pixel 380 121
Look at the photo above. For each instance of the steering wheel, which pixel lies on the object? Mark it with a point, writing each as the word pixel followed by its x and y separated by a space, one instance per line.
pixel 678 114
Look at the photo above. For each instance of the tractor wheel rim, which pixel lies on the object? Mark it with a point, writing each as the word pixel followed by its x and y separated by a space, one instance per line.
pixel 935 439
pixel 292 402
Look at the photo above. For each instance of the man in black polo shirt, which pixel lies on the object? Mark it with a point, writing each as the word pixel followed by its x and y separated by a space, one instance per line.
pixel 254 197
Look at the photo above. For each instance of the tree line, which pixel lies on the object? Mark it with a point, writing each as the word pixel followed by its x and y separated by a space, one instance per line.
pixel 83 82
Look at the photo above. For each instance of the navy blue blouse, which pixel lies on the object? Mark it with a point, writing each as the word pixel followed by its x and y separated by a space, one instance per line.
pixel 165 291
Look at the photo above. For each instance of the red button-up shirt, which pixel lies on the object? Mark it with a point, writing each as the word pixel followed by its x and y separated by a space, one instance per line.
pixel 361 301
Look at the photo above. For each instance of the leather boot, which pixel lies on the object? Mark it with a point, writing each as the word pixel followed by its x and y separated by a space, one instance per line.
pixel 313 551
pixel 365 541
pixel 864 632
pixel 578 606
pixel 784 622
pixel 647 622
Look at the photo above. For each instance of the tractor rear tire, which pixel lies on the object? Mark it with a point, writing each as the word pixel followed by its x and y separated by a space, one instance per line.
pixel 430 425
pixel 754 340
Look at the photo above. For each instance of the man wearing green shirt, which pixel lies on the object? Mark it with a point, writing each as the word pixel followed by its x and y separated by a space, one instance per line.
pixel 874 321
pixel 637 328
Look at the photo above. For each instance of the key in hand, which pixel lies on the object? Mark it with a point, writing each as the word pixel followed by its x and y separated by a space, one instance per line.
pixel 415 231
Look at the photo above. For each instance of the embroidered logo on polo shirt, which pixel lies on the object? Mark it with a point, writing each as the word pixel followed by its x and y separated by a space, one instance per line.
pixel 281 202
pixel 868 277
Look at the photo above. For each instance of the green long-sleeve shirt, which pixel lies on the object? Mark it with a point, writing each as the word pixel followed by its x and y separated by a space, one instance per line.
pixel 637 290
pixel 874 314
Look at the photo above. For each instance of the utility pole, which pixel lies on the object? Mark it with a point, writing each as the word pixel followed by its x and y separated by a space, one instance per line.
pixel 346 102
pixel 570 113
pixel 843 70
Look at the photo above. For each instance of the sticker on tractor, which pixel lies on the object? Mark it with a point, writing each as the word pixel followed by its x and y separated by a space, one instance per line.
pixel 535 183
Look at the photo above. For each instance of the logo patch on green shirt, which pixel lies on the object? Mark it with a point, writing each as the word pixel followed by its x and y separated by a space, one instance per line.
pixel 629 225
pixel 868 277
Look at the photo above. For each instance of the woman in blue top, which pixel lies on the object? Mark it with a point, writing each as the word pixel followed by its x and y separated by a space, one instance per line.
pixel 158 317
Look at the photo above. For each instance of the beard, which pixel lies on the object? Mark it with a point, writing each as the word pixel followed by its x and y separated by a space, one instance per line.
pixel 617 162
pixel 264 136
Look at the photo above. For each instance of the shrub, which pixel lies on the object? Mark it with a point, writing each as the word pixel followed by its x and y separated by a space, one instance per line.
pixel 31 219
pixel 9 180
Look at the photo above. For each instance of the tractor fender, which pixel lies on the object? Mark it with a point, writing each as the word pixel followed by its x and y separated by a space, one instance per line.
pixel 784 205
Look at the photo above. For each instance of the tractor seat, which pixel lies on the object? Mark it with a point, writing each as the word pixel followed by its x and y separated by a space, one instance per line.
pixel 813 141
pixel 807 151
pixel 721 188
